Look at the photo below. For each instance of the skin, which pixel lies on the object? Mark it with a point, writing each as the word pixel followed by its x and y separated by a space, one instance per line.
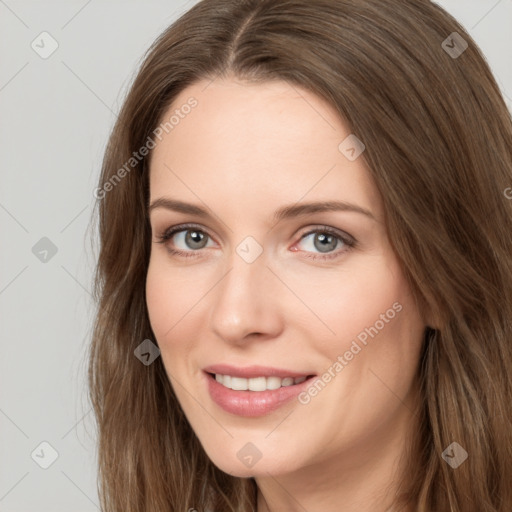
pixel 243 152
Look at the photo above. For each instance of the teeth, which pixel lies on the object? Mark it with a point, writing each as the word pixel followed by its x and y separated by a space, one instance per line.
pixel 272 382
pixel 238 383
pixel 256 383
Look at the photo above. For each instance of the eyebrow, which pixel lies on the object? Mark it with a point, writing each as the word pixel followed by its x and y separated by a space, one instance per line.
pixel 286 212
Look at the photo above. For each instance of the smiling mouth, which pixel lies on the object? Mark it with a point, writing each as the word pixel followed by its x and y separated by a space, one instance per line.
pixel 257 383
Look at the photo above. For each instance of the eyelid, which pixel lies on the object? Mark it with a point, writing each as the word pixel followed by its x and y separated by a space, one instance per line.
pixel 328 229
pixel 172 230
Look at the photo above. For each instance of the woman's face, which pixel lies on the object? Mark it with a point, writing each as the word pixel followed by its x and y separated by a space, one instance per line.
pixel 270 283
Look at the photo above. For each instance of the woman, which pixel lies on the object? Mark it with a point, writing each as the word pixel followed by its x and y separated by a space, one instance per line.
pixel 305 276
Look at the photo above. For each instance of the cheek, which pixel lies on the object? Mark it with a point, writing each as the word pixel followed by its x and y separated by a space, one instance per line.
pixel 175 299
pixel 158 300
pixel 348 302
pixel 170 296
pixel 166 305
pixel 371 361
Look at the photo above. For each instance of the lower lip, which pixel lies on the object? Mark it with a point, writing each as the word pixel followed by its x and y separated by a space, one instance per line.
pixel 251 404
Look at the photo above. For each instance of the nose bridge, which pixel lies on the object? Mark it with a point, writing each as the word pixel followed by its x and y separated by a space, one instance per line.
pixel 245 300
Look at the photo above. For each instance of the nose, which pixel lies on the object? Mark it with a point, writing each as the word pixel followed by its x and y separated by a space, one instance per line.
pixel 246 303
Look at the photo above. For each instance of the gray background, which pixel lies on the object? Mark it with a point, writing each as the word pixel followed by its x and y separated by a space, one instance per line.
pixel 56 114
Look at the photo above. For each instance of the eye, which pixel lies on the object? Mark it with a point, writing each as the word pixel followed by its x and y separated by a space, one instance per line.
pixel 187 238
pixel 325 240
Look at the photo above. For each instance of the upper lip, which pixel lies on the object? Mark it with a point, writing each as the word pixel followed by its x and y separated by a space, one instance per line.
pixel 249 372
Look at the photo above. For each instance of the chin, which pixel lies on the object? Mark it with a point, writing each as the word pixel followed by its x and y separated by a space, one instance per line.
pixel 239 464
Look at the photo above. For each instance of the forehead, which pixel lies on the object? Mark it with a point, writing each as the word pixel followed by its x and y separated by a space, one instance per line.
pixel 245 142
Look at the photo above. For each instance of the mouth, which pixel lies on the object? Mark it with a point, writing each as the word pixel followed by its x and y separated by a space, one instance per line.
pixel 257 384
pixel 253 391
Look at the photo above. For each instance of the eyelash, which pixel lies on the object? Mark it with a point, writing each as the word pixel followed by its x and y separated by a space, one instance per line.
pixel 350 242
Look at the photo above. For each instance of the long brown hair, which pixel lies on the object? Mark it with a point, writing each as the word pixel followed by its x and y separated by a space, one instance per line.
pixel 438 140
